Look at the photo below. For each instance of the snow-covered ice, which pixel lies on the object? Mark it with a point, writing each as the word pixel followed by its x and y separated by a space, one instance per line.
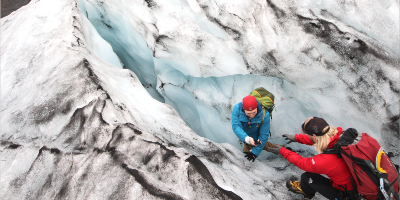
pixel 132 99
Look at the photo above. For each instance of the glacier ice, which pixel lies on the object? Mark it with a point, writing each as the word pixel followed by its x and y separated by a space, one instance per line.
pixel 80 127
pixel 127 43
pixel 352 61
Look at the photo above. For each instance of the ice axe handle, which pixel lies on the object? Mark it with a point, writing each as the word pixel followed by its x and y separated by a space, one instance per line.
pixel 378 162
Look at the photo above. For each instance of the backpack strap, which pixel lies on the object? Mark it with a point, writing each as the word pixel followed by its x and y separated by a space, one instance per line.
pixel 333 150
pixel 354 194
pixel 391 189
pixel 270 109
pixel 262 120
pixel 263 115
pixel 396 195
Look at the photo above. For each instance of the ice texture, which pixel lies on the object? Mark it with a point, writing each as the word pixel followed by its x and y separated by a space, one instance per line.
pixel 326 51
pixel 132 99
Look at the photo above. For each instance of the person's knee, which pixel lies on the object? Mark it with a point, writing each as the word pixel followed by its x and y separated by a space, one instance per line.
pixel 306 175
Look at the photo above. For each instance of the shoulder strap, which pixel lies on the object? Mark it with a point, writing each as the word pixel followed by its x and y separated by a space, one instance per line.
pixel 262 120
pixel 333 150
pixel 263 115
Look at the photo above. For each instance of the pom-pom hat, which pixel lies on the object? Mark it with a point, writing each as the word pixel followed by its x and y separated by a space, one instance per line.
pixel 249 103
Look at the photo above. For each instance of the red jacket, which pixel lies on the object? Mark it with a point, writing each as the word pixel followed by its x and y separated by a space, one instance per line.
pixel 329 164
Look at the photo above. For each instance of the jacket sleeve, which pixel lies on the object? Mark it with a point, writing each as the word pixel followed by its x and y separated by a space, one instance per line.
pixel 236 124
pixel 303 139
pixel 311 164
pixel 264 134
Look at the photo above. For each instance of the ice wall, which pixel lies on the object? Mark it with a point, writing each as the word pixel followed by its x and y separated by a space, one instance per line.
pixel 206 104
pixel 339 63
pixel 114 23
pixel 80 127
pixel 75 126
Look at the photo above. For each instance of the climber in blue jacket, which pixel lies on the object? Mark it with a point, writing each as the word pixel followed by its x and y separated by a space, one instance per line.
pixel 250 127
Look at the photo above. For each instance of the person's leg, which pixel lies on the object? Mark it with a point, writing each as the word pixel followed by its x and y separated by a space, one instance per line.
pixel 311 183
pixel 247 148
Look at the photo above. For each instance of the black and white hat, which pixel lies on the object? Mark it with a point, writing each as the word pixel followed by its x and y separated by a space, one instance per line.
pixel 315 126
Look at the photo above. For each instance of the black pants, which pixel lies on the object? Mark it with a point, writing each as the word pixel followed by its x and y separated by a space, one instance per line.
pixel 311 183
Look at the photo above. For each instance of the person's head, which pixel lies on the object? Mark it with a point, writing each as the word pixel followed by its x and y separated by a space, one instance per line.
pixel 320 132
pixel 250 106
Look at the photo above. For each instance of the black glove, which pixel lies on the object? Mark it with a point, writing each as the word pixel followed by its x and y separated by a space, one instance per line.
pixel 290 138
pixel 275 150
pixel 250 156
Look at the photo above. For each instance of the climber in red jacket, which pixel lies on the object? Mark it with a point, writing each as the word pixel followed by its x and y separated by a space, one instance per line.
pixel 316 131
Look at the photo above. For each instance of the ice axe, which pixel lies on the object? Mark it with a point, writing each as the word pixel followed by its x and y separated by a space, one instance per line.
pixel 381 171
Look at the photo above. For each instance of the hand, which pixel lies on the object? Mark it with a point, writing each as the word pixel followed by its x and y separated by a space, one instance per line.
pixel 251 142
pixel 275 150
pixel 258 142
pixel 313 138
pixel 250 156
pixel 289 138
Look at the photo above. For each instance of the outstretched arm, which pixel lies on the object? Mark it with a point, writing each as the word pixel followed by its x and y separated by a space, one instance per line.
pixel 264 134
pixel 237 126
pixel 306 164
pixel 304 139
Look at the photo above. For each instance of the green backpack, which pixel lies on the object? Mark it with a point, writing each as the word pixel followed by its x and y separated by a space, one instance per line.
pixel 266 99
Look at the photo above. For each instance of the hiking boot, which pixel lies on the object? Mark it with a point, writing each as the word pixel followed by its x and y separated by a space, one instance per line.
pixel 294 186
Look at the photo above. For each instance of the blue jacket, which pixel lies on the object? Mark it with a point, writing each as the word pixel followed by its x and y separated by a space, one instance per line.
pixel 242 129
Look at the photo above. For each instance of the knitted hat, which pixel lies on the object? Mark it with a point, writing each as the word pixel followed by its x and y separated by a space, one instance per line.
pixel 249 103
pixel 315 126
